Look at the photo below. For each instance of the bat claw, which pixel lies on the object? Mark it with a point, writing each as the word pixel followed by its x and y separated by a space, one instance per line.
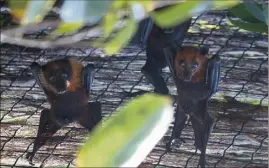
pixel 29 156
pixel 175 142
pixel 202 162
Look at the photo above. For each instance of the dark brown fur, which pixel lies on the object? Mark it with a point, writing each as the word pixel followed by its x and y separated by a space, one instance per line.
pixel 62 82
pixel 191 55
pixel 190 69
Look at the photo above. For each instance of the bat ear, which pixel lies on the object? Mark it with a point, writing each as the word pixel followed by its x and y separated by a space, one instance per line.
pixel 204 50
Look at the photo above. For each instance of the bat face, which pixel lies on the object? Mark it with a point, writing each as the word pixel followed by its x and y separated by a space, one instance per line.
pixel 58 75
pixel 66 84
pixel 190 65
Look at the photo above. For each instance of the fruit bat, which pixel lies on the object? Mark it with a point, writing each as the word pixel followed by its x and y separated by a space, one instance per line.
pixel 196 77
pixel 66 84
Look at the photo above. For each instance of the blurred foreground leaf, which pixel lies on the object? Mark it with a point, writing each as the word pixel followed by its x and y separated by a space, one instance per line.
pixel 30 11
pixel 250 16
pixel 86 11
pixel 18 8
pixel 109 22
pixel 224 4
pixel 255 9
pixel 67 28
pixel 254 27
pixel 180 12
pixel 265 12
pixel 240 11
pixel 121 38
pixel 171 15
pixel 124 140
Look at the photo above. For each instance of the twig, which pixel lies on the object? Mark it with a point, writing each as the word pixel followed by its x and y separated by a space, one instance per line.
pixel 8 37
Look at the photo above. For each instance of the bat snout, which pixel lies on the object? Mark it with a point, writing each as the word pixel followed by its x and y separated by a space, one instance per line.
pixel 61 86
pixel 187 76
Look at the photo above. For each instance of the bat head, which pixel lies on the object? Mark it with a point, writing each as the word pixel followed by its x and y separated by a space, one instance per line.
pixel 61 75
pixel 190 64
pixel 58 75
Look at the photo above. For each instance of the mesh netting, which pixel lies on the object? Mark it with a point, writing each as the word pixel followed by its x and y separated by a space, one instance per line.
pixel 239 137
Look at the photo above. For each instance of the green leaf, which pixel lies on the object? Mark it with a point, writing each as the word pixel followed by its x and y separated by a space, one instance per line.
pixel 240 11
pixel 121 38
pixel 119 4
pixel 265 13
pixel 177 13
pixel 67 28
pixel 147 5
pixel 224 4
pixel 255 27
pixel 18 8
pixel 171 16
pixel 36 10
pixel 125 139
pixel 255 10
pixel 86 11
pixel 109 22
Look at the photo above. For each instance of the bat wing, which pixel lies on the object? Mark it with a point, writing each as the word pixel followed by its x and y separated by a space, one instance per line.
pixel 45 131
pixel 92 116
pixel 177 35
pixel 213 74
pixel 170 53
pixel 88 75
pixel 142 34
pixel 175 41
pixel 36 70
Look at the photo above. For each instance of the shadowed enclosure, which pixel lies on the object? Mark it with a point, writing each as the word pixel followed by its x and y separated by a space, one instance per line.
pixel 239 137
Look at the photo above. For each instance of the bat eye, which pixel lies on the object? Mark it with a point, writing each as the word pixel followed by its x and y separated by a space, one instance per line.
pixel 52 78
pixel 194 66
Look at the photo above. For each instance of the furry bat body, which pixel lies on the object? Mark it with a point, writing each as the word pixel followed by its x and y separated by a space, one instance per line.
pixel 196 77
pixel 66 83
pixel 156 39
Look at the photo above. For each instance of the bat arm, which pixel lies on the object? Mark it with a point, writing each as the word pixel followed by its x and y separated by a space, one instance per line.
pixel 36 69
pixel 169 56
